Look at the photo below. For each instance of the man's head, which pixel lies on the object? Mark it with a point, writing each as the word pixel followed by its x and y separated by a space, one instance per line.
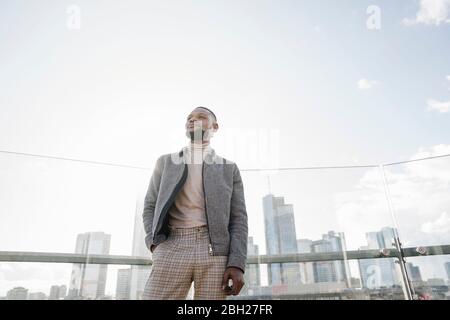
pixel 201 124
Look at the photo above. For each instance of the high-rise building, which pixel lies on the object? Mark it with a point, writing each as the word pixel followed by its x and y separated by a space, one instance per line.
pixel 379 273
pixel 281 238
pixel 37 296
pixel 57 292
pixel 381 239
pixel 88 281
pixel 139 274
pixel 123 284
pixel 331 271
pixel 413 272
pixel 17 293
pixel 54 293
pixel 306 268
pixel 252 274
pixel 62 291
pixel 447 269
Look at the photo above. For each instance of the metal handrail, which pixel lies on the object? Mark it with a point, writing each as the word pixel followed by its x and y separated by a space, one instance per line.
pixel 52 257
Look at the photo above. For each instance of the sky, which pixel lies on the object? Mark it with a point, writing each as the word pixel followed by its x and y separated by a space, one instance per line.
pixel 293 84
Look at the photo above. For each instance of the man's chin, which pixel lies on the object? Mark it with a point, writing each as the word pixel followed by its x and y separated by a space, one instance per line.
pixel 195 135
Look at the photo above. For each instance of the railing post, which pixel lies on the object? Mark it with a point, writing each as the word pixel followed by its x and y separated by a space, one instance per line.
pixel 407 288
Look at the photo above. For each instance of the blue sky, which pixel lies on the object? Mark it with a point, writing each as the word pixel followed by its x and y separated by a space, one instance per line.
pixel 119 88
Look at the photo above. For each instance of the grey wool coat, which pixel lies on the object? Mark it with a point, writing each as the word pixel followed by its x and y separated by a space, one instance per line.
pixel 224 203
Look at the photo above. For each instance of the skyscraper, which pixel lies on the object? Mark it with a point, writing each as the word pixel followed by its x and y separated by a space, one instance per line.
pixel 123 284
pixel 331 271
pixel 378 273
pixel 54 293
pixel 139 274
pixel 281 238
pixel 62 291
pixel 381 239
pixel 413 272
pixel 447 269
pixel 252 275
pixel 306 268
pixel 57 292
pixel 89 280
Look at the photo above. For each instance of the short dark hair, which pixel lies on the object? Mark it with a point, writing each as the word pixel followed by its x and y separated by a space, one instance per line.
pixel 215 118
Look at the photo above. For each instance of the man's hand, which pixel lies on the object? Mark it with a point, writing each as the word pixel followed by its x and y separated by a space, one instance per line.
pixel 237 276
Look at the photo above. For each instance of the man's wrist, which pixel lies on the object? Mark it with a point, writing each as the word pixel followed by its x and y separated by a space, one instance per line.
pixel 235 268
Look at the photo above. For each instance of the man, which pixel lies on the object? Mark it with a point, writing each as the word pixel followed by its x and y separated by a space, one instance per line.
pixel 195 219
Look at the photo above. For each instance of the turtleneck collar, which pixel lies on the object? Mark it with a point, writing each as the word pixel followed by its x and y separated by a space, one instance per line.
pixel 195 150
pixel 205 145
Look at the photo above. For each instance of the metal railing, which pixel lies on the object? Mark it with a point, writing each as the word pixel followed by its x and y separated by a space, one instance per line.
pixel 51 257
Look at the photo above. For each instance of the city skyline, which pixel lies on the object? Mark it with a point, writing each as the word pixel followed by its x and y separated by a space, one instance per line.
pixel 280 233
pixel 277 214
pixel 380 271
pixel 253 274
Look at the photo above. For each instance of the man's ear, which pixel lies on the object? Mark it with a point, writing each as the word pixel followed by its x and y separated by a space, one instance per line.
pixel 215 126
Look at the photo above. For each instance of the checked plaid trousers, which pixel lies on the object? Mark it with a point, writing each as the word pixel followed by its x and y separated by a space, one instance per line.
pixel 181 259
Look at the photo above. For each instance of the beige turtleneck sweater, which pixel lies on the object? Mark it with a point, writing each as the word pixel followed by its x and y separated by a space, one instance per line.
pixel 188 209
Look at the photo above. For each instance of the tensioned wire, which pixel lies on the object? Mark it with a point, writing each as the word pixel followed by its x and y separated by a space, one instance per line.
pixel 41 156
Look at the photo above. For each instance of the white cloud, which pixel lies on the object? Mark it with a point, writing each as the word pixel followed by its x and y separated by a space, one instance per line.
pixel 431 12
pixel 442 107
pixel 436 150
pixel 365 84
pixel 419 192
pixel 434 105
pixel 440 225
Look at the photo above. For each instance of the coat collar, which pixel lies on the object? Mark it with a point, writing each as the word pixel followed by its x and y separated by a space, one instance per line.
pixel 210 155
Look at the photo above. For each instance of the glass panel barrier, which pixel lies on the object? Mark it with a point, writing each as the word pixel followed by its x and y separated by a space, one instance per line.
pixel 419 192
pixel 314 233
pixel 312 213
pixel 46 205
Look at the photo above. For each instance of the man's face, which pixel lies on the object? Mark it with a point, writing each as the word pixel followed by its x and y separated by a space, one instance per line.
pixel 198 120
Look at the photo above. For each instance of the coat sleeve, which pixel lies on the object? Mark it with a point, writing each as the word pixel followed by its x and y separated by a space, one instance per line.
pixel 238 225
pixel 150 202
